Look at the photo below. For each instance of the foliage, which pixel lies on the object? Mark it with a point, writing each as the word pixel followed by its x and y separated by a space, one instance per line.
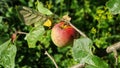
pixel 34 35
pixel 7 54
pixel 113 6
pixel 94 18
pixel 83 54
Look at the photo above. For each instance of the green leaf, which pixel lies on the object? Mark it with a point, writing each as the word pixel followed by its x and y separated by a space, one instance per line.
pixel 46 38
pixel 113 6
pixel 82 48
pixel 7 54
pixel 3 38
pixel 1 18
pixel 42 9
pixel 83 54
pixel 95 62
pixel 34 36
pixel 4 46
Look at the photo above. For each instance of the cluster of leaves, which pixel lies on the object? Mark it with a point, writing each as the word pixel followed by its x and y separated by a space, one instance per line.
pixel 90 16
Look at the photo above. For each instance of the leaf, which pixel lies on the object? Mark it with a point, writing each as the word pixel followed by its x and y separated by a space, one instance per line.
pixel 48 23
pixel 4 46
pixel 30 16
pixel 45 40
pixel 113 6
pixel 82 48
pixel 42 9
pixel 83 54
pixel 3 38
pixel 98 63
pixel 95 62
pixel 7 54
pixel 34 36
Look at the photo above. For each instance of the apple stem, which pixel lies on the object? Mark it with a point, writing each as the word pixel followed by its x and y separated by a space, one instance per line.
pixel 46 53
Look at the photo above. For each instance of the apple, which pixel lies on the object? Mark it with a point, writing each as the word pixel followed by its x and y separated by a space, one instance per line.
pixel 62 34
pixel 13 37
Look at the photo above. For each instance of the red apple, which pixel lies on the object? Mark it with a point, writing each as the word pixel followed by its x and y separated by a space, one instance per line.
pixel 62 34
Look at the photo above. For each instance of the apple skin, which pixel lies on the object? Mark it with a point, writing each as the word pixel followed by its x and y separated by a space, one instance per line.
pixel 62 34
pixel 13 37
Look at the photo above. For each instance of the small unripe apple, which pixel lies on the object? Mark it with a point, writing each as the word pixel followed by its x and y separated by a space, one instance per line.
pixel 13 37
pixel 62 34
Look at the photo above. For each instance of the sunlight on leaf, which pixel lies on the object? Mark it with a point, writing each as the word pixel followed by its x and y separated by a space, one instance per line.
pixel 83 54
pixel 45 40
pixel 113 6
pixel 82 48
pixel 42 9
pixel 34 36
pixel 4 46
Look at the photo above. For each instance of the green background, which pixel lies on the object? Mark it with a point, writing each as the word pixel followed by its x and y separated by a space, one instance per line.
pixel 90 16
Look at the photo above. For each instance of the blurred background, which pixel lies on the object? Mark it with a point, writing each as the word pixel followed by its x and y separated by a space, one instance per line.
pixel 90 16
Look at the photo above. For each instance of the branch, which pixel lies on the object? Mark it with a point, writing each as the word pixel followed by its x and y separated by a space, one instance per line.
pixel 78 66
pixel 67 19
pixel 113 48
pixel 46 53
pixel 79 31
pixel 18 32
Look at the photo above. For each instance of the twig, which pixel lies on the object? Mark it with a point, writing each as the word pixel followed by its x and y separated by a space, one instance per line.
pixel 46 53
pixel 78 66
pixel 67 19
pixel 18 32
pixel 79 31
pixel 113 48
